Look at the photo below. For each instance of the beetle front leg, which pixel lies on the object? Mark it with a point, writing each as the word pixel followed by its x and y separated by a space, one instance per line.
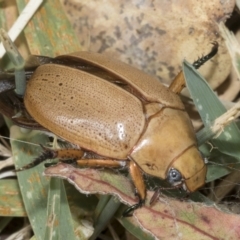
pixel 138 182
pixel 178 83
pixel 134 171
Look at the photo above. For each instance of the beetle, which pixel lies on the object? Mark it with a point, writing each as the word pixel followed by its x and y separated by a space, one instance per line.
pixel 117 116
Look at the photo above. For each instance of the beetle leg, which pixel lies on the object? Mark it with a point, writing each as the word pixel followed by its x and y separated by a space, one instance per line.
pixel 158 191
pixel 67 161
pixel 134 171
pixel 94 163
pixel 197 64
pixel 138 181
pixel 178 83
pixel 52 154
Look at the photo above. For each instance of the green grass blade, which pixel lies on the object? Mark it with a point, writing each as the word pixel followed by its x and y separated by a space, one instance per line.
pixel 11 203
pixel 105 216
pixel 50 33
pixel 210 108
pixel 59 223
pixel 34 186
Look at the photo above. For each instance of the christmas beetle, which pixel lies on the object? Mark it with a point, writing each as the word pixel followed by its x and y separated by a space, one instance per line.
pixel 117 116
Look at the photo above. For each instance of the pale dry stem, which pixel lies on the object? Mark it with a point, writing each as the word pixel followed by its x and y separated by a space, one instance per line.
pixel 221 122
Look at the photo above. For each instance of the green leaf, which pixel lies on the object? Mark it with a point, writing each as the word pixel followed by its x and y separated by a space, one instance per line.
pixel 34 187
pixel 47 34
pixel 59 222
pixel 11 203
pixel 210 107
pixel 50 33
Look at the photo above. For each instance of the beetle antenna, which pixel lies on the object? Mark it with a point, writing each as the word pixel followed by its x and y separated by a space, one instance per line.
pixel 159 190
pixel 197 64
pixel 46 154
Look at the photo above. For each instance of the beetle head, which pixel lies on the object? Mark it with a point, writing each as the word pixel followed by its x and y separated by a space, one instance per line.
pixel 188 170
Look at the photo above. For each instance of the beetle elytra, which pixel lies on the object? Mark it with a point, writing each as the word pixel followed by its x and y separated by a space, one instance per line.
pixel 118 116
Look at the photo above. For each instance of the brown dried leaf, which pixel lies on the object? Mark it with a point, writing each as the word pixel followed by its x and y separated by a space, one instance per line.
pixel 167 219
pixel 90 181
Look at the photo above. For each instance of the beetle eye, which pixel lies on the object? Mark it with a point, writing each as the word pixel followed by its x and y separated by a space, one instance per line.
pixel 174 176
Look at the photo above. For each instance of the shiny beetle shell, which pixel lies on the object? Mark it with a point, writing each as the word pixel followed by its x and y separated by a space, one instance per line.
pixel 130 116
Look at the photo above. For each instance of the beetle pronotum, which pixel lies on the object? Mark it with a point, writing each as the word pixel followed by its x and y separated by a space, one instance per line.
pixel 118 116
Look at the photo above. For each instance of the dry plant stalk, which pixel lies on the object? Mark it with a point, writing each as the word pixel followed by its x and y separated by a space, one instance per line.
pixel 225 119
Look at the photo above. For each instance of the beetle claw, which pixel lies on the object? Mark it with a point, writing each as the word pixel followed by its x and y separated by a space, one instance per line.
pixel 198 63
pixel 158 191
pixel 46 154
pixel 129 211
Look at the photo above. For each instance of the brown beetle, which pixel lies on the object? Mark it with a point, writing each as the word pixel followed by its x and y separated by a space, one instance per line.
pixel 118 116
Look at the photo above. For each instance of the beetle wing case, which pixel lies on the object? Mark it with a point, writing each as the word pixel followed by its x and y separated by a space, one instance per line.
pixel 85 110
pixel 98 115
pixel 149 87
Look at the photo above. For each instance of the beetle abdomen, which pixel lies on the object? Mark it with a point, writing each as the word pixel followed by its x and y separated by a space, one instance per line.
pixel 85 110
